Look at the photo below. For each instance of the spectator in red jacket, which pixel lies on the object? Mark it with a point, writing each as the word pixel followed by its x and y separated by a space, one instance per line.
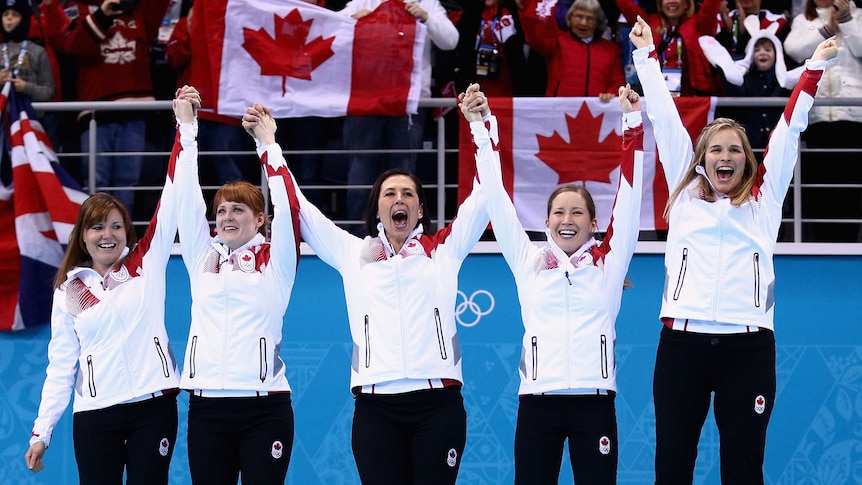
pixel 580 62
pixel 675 30
pixel 111 44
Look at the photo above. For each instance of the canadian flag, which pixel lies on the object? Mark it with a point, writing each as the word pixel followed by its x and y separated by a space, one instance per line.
pixel 547 142
pixel 305 60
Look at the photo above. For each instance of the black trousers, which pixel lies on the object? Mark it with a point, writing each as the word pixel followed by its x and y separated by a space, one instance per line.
pixel 230 437
pixel 740 370
pixel 411 438
pixel 544 425
pixel 139 437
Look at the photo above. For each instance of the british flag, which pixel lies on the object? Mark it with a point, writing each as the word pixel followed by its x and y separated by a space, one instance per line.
pixel 39 202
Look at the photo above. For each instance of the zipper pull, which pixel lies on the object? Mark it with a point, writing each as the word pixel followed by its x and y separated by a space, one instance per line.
pixel 567 278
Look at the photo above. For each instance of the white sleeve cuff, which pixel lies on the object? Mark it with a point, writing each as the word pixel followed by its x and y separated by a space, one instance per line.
pixel 632 120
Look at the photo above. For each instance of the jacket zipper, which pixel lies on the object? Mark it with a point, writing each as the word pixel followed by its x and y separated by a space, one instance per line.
pixel 535 350
pixel 681 277
pixel 165 369
pixel 757 280
pixel 264 368
pixel 192 357
pixel 367 344
pixel 604 356
pixel 441 342
pixel 91 378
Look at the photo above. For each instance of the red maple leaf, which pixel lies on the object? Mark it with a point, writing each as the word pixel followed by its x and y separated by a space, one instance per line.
pixel 246 257
pixel 760 400
pixel 585 157
pixel 276 446
pixel 287 55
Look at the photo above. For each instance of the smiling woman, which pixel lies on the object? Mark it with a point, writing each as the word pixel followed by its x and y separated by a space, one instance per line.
pixel 718 302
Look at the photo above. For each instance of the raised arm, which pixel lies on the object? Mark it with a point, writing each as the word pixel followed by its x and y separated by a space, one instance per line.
pixel 328 241
pixel 673 140
pixel 192 225
pixel 776 171
pixel 284 242
pixel 508 231
pixel 621 237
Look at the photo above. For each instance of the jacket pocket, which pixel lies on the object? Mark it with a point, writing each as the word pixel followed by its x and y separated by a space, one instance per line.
pixel 534 349
pixel 264 368
pixel 367 344
pixel 165 368
pixel 192 357
pixel 681 277
pixel 441 342
pixel 604 356
pixel 756 263
pixel 91 378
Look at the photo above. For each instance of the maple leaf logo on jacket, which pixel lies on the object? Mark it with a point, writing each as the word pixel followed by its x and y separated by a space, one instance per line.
pixel 119 50
pixel 288 54
pixel 584 157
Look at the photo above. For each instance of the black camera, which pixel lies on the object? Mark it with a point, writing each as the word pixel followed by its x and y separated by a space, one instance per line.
pixel 488 60
pixel 123 6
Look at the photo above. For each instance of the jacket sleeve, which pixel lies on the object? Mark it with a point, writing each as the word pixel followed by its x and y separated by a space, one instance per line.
pixel 630 10
pixel 154 248
pixel 467 227
pixel 284 242
pixel 178 50
pixel 540 32
pixel 41 88
pixel 621 237
pixel 508 231
pixel 851 30
pixel 441 30
pixel 64 350
pixel 192 225
pixel 673 140
pixel 776 171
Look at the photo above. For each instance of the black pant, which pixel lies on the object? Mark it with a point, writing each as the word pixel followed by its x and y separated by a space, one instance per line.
pixel 138 437
pixel 740 370
pixel 544 424
pixel 233 436
pixel 411 438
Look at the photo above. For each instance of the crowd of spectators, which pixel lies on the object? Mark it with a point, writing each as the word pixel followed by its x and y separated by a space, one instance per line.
pixel 114 50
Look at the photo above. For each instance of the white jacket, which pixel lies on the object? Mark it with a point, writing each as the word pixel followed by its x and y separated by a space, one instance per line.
pixel 401 307
pixel 569 306
pixel 718 262
pixel 440 30
pixel 108 338
pixel 843 79
pixel 239 297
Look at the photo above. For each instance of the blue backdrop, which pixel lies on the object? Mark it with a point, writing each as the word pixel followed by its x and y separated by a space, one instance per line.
pixel 815 436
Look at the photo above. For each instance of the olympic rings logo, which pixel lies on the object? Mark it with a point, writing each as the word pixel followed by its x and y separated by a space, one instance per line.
pixel 477 307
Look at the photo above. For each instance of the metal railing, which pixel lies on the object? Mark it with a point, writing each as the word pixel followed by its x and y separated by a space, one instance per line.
pixel 443 149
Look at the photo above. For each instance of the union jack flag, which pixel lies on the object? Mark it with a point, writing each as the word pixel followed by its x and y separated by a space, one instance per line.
pixel 39 202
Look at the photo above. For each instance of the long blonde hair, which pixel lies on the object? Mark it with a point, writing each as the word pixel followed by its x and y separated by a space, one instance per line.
pixel 739 195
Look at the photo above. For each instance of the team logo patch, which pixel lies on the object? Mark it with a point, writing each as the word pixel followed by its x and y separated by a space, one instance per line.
pixel 277 449
pixel 413 248
pixel 759 404
pixel 452 458
pixel 121 274
pixel 584 259
pixel 245 261
pixel 604 445
pixel 164 447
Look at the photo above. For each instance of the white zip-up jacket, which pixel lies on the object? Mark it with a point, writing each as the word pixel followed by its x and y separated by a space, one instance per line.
pixel 718 262
pixel 108 339
pixel 238 297
pixel 569 305
pixel 400 307
pixel 843 79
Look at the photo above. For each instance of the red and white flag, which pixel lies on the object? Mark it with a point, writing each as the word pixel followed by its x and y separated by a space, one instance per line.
pixel 305 60
pixel 39 204
pixel 547 142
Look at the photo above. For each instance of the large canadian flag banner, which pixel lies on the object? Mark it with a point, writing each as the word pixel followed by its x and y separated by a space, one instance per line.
pixel 305 60
pixel 548 142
